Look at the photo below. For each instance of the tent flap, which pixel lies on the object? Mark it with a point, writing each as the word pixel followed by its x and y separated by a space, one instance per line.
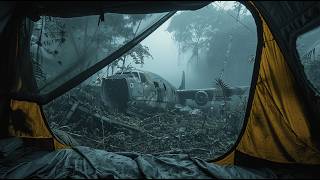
pixel 277 128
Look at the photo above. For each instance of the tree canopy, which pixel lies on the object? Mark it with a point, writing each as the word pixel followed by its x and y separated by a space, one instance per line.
pixel 66 41
pixel 221 41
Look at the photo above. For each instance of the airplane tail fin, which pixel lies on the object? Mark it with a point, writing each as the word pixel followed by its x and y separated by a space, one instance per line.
pixel 183 82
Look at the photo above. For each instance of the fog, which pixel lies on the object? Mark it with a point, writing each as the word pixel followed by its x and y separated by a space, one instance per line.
pixel 217 41
pixel 229 55
pixel 165 56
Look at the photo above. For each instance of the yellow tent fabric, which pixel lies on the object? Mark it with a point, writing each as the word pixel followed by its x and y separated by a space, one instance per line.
pixel 277 128
pixel 36 123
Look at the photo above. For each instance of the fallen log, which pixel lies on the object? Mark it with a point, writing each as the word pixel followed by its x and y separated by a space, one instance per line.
pixel 71 112
pixel 108 120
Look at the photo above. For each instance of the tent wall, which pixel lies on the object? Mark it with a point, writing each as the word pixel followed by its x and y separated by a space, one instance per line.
pixel 8 64
pixel 277 129
pixel 29 115
pixel 19 118
pixel 287 20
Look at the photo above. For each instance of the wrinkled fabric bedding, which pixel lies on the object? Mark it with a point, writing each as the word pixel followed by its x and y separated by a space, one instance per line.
pixel 20 161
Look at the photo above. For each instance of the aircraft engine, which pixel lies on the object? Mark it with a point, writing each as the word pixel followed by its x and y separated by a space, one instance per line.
pixel 201 98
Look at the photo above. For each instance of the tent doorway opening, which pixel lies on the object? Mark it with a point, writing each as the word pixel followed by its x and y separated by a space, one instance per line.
pixel 214 46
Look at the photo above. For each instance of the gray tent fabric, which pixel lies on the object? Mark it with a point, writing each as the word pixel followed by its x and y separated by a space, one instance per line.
pixel 5 13
pixel 20 161
pixel 86 8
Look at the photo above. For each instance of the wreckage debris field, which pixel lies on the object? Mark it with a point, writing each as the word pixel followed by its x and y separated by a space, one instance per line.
pixel 200 133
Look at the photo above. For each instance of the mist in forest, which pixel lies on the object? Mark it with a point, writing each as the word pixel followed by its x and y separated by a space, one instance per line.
pixel 207 44
pixel 165 56
pixel 217 41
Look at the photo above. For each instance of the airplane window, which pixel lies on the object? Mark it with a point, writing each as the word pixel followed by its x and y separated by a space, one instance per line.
pixel 143 77
pixel 156 84
pixel 135 74
pixel 128 74
pixel 199 65
pixel 308 47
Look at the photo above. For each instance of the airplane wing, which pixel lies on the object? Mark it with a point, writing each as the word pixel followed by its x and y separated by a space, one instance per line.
pixel 202 96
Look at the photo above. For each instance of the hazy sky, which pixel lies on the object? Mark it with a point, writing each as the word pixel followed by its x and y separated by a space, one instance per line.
pixel 165 55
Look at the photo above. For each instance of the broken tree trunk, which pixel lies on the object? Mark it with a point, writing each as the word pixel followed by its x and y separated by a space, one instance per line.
pixel 71 112
pixel 110 121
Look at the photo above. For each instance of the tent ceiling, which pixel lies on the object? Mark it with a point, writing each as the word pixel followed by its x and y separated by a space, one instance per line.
pixel 85 8
pixel 289 17
pixel 281 13
pixel 284 12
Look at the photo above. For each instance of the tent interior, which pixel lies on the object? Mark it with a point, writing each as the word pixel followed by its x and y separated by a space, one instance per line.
pixel 93 89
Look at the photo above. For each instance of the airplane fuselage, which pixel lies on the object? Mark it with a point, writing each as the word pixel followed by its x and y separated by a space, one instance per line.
pixel 138 89
pixel 148 91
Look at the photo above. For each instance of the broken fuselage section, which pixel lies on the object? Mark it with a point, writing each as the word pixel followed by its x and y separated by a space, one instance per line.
pixel 146 91
pixel 138 90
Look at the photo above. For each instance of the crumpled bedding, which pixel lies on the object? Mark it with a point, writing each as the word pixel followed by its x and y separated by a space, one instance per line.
pixel 20 161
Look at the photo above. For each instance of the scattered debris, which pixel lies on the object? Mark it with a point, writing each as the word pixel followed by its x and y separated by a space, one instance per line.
pixel 197 132
pixel 195 111
pixel 185 108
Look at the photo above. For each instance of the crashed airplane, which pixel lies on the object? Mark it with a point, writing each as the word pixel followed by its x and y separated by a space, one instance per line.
pixel 146 90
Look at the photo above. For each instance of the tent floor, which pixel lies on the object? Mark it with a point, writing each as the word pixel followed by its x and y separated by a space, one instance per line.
pixel 19 159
